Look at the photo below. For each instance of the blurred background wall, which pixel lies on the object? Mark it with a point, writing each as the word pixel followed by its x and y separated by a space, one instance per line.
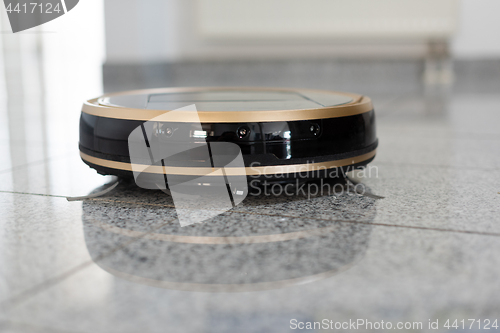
pixel 45 74
pixel 167 30
pixel 317 43
pixel 329 44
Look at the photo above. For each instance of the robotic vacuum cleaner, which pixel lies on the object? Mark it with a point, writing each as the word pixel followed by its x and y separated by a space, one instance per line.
pixel 282 134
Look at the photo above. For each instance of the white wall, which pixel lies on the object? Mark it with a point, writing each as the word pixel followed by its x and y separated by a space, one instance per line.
pixel 140 31
pixel 329 20
pixel 48 71
pixel 479 30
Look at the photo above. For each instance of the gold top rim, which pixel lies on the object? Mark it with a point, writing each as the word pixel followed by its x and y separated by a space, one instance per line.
pixel 359 104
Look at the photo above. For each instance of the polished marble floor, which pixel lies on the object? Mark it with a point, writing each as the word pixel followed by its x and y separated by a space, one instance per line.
pixel 429 250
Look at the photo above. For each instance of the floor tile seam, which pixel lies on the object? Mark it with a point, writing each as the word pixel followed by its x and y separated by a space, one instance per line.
pixel 41 161
pixel 456 135
pixel 53 281
pixel 444 166
pixel 38 328
pixel 474 232
pixel 289 216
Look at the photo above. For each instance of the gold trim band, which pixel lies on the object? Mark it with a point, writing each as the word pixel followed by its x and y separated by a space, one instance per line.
pixel 360 104
pixel 219 287
pixel 248 171
pixel 185 239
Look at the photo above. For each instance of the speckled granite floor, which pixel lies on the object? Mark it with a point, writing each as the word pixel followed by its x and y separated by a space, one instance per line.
pixel 120 263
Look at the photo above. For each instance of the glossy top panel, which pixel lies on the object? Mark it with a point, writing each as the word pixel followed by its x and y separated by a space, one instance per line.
pixel 229 100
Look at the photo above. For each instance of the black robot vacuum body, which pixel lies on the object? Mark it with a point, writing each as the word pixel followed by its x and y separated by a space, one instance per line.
pixel 282 134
